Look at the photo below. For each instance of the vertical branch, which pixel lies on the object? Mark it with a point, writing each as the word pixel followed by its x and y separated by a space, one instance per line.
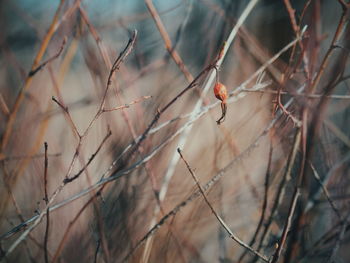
pixel 46 198
pixel 294 200
pixel 338 32
pixel 287 225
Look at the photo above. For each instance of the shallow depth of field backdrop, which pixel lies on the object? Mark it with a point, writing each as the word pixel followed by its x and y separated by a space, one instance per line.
pixel 96 98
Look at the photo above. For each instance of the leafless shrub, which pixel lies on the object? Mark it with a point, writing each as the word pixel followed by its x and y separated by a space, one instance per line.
pixel 97 100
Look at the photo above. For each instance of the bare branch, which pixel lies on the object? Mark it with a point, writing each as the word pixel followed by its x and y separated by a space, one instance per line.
pixel 128 104
pixel 42 65
pixel 3 106
pixel 92 157
pixel 222 223
pixel 173 53
pixel 46 198
pixel 325 191
pixel 340 238
pixel 117 64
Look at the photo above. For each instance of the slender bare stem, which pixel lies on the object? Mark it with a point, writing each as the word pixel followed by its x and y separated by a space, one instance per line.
pixel 42 65
pixel 46 198
pixel 221 221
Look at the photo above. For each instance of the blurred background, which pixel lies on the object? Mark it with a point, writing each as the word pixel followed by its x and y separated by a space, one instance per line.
pixel 55 60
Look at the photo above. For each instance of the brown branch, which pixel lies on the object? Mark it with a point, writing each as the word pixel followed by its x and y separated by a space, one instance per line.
pixel 45 42
pixel 291 13
pixel 325 191
pixel 92 157
pixel 128 104
pixel 294 199
pixel 222 223
pixel 287 225
pixel 336 37
pixel 69 117
pixel 167 42
pixel 3 106
pixel 46 198
pixel 169 104
pixel 117 64
pixel 42 65
pixel 344 4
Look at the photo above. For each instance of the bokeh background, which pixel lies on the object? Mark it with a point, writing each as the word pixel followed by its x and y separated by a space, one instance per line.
pixel 258 172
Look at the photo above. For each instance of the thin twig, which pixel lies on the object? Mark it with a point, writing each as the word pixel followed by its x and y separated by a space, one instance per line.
pixel 117 63
pixel 67 113
pixel 326 193
pixel 42 65
pixel 339 239
pixel 281 187
pixel 92 157
pixel 46 198
pixel 3 105
pixel 97 249
pixel 70 225
pixel 264 205
pixel 327 237
pixel 325 181
pixel 294 199
pixel 128 104
pixel 167 42
pixel 337 132
pixel 287 225
pixel 336 37
pixel 222 223
pixel 309 96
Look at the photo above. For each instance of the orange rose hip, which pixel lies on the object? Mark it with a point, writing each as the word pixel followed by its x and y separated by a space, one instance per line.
pixel 220 92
